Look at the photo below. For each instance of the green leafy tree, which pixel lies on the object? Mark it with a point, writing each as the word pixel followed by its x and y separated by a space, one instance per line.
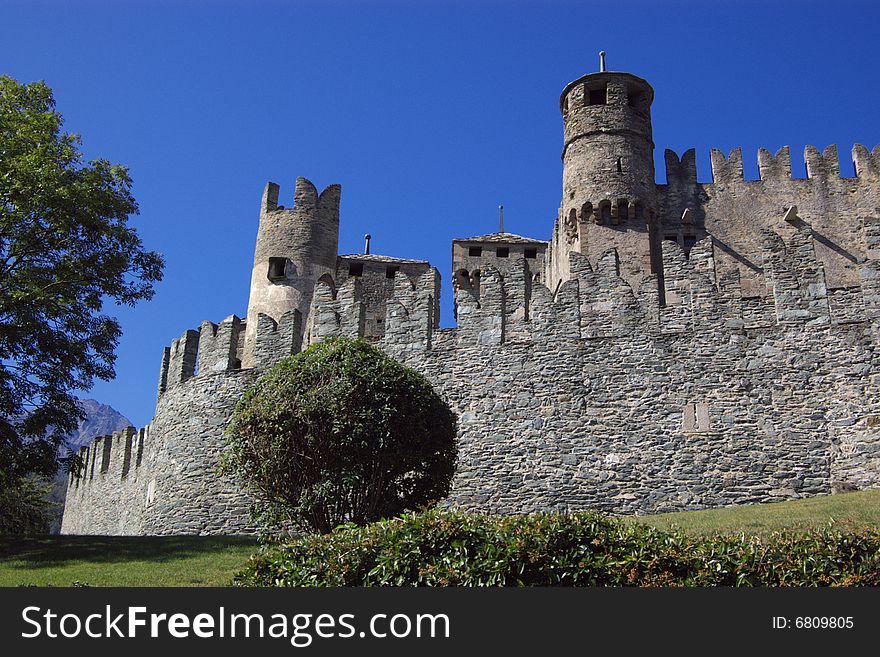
pixel 341 433
pixel 65 251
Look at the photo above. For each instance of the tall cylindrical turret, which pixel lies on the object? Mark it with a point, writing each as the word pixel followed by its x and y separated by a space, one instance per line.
pixel 295 247
pixel 608 186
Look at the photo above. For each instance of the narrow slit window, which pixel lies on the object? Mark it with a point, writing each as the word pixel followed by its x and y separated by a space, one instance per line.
pixel 531 253
pixel 502 252
pixel 356 269
pixel 619 165
pixel 475 251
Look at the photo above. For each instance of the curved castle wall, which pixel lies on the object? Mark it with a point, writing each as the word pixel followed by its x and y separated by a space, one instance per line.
pixel 164 479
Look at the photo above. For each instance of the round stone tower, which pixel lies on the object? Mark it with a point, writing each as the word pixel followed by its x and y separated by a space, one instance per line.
pixel 608 186
pixel 295 247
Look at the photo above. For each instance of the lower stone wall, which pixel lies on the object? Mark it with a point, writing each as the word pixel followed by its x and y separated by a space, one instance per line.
pixel 168 481
pixel 642 425
pixel 107 497
pixel 625 424
pixel 187 495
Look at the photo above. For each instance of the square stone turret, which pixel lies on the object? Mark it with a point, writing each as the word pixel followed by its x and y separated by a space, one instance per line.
pixel 514 256
pixel 377 274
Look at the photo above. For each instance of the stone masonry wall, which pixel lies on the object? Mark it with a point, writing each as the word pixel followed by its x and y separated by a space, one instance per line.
pixel 606 399
pixel 599 397
pixel 164 479
pixel 735 211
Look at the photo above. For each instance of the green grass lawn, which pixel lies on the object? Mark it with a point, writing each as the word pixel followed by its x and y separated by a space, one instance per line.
pixel 844 511
pixel 213 560
pixel 122 560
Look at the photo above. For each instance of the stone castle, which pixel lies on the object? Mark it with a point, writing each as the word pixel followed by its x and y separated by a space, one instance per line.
pixel 671 347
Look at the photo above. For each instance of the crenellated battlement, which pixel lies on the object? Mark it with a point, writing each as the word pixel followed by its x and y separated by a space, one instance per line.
pixel 114 457
pixel 410 311
pixel 496 307
pixel 820 166
pixel 306 198
pixel 217 348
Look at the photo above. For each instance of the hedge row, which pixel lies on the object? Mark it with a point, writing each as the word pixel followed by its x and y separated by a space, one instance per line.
pixel 442 548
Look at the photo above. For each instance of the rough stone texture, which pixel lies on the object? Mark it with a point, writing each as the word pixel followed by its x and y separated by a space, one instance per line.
pixel 378 277
pixel 672 347
pixel 163 479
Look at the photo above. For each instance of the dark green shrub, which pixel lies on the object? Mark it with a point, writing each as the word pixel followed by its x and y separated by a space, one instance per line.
pixel 438 548
pixel 342 433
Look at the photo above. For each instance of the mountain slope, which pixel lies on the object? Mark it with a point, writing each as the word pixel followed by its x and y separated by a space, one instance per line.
pixel 100 420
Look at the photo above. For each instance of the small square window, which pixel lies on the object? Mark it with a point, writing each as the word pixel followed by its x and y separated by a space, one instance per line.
pixel 531 253
pixel 502 252
pixel 475 251
pixel 276 269
pixel 598 96
pixel 355 269
pixel 391 271
pixel 689 242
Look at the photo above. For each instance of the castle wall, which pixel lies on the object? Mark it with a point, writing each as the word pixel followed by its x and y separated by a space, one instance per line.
pixel 601 398
pixel 107 497
pixel 735 211
pixel 609 399
pixel 164 479
pixel 376 277
pixel 184 493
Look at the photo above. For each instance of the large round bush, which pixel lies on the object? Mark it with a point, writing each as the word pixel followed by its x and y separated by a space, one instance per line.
pixel 342 433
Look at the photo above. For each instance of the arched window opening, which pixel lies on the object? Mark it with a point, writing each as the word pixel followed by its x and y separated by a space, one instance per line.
pixel 586 211
pixel 639 212
pixel 605 212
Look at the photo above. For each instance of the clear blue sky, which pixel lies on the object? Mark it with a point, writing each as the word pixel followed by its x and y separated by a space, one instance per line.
pixel 428 115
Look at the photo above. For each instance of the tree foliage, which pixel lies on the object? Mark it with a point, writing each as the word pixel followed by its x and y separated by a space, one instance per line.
pixel 342 433
pixel 65 250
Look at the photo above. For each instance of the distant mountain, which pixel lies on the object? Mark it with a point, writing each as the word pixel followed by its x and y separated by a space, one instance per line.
pixel 100 420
